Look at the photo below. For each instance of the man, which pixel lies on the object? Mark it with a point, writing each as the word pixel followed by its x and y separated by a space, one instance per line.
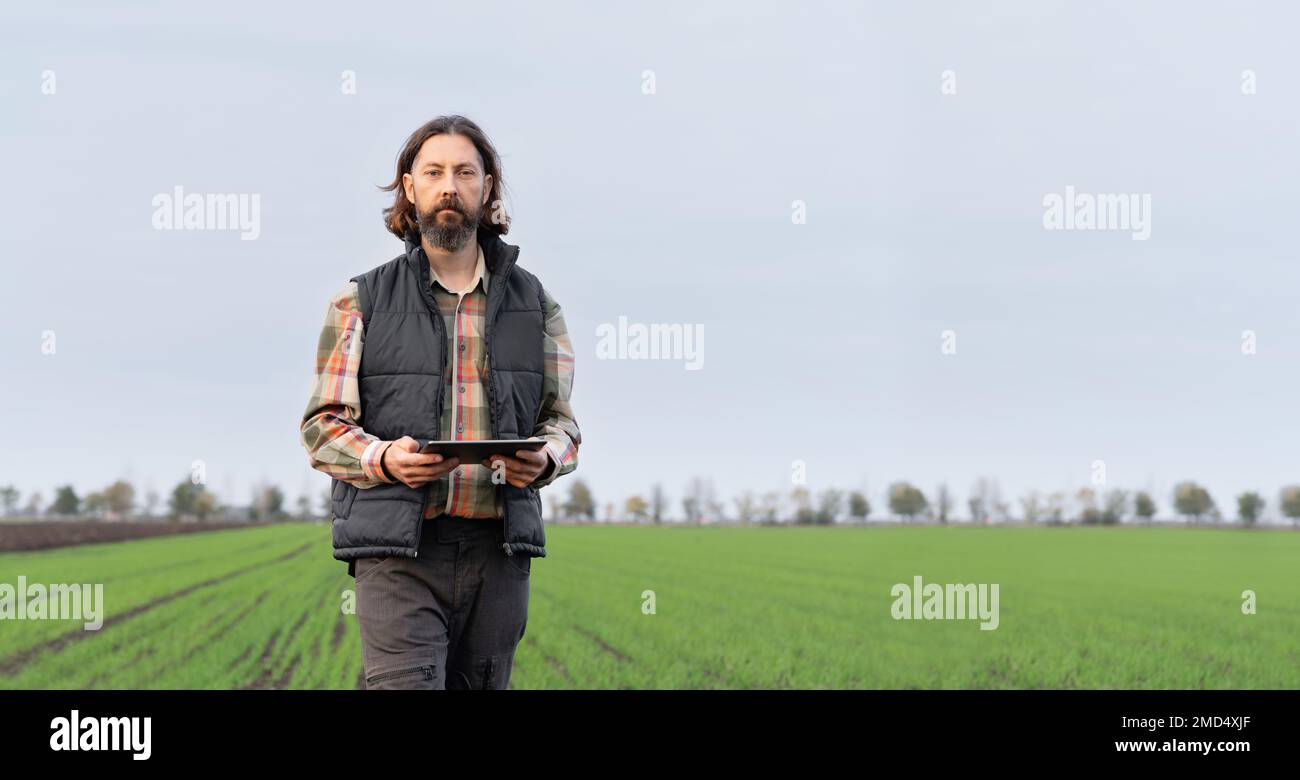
pixel 460 343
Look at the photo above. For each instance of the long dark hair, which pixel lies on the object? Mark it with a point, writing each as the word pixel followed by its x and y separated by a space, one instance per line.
pixel 400 218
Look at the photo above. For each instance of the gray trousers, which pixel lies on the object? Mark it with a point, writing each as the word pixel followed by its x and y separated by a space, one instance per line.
pixel 449 618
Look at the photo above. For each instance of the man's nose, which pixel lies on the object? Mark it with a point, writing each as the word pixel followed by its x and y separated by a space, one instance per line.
pixel 447 189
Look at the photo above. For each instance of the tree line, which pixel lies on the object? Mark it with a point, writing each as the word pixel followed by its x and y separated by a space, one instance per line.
pixel 187 501
pixel 906 502
pixel 699 503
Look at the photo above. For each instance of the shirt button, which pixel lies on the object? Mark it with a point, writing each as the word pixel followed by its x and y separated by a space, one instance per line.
pixel 459 428
pixel 462 388
pixel 462 346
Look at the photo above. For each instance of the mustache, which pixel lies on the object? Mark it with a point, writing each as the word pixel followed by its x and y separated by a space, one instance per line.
pixel 453 205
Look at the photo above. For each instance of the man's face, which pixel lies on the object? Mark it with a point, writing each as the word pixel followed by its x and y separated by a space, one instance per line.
pixel 449 190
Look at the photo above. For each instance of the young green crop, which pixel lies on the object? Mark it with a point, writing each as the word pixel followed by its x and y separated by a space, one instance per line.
pixel 679 607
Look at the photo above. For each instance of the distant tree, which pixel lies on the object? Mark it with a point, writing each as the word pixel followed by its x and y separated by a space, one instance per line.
pixel 96 504
pixel 275 503
pixel 66 503
pixel 1055 511
pixel 268 503
pixel 830 505
pixel 746 507
pixel 984 499
pixel 580 502
pixel 700 502
pixel 9 500
pixel 1143 506
pixel 304 507
pixel 182 499
pixel 1031 507
pixel 151 499
pixel 1085 500
pixel 205 504
pixel 636 508
pixel 1289 503
pixel 942 503
pixel 859 507
pixel 1249 507
pixel 691 509
pixel 658 503
pixel 906 500
pixel 119 498
pixel 1114 507
pixel 770 508
pixel 1192 501
pixel 714 510
pixel 801 500
pixel 34 503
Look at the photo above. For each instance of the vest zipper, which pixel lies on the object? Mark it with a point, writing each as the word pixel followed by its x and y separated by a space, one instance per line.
pixel 492 417
pixel 495 430
pixel 437 404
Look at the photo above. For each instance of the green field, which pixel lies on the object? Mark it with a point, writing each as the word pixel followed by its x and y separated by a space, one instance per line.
pixel 734 608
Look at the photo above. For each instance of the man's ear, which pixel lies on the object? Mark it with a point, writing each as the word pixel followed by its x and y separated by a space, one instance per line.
pixel 407 187
pixel 487 188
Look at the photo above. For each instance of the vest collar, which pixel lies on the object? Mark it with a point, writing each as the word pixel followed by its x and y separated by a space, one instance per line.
pixel 498 257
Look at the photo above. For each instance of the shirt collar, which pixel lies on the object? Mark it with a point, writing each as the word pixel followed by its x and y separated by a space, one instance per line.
pixel 480 272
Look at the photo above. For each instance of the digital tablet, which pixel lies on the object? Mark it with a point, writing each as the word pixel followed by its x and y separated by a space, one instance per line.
pixel 475 450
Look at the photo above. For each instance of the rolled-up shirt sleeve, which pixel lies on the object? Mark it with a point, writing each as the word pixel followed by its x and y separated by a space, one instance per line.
pixel 331 430
pixel 556 422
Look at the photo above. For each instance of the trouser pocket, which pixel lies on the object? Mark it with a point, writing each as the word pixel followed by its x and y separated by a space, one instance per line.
pixel 413 677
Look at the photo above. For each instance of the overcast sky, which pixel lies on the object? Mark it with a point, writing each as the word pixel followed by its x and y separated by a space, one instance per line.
pixel 921 138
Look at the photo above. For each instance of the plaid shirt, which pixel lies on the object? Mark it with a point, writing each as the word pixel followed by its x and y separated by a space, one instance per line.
pixel 332 429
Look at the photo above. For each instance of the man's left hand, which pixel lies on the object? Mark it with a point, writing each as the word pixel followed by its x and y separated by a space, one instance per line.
pixel 522 469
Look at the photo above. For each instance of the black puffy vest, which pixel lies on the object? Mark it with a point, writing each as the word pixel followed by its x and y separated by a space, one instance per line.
pixel 403 362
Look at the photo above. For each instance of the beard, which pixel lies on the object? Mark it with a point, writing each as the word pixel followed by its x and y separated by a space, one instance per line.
pixel 448 231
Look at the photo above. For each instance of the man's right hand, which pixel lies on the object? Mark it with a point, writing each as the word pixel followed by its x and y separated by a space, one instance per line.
pixel 404 461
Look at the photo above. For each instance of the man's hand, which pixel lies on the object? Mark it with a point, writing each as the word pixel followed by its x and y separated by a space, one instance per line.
pixel 523 469
pixel 408 466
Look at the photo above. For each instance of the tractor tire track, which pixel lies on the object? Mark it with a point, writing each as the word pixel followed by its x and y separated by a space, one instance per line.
pixel 608 648
pixel 15 663
pixel 263 680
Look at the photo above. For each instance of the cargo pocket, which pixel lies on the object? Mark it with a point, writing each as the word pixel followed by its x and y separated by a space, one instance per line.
pixel 398 677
